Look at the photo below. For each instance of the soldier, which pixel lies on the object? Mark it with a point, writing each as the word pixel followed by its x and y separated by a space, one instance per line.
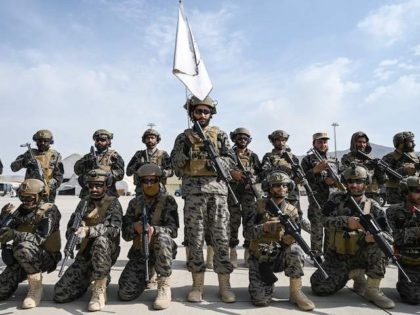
pixel 272 249
pixel 321 182
pixel 351 252
pixel 360 142
pixel 243 191
pixel 34 230
pixel 1 167
pixel 99 246
pixel 404 220
pixel 403 160
pixel 163 223
pixel 103 158
pixel 151 154
pixel 205 198
pixel 48 160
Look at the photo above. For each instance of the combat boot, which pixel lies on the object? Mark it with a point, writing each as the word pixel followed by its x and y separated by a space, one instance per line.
pixel 298 297
pixel 225 291
pixel 359 280
pixel 209 259
pixel 33 298
pixel 246 256
pixel 375 295
pixel 233 257
pixel 98 300
pixel 163 298
pixel 196 294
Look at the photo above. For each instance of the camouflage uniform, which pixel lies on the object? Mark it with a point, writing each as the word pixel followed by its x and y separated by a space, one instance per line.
pixel 35 248
pixel 51 167
pixel 404 220
pixel 245 197
pixel 268 254
pixel 159 157
pixel 163 216
pixel 377 175
pixel 205 197
pixel 97 253
pixel 109 161
pixel 347 250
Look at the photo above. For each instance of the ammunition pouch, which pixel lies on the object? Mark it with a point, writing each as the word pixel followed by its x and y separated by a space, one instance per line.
pixel 7 255
pixel 345 242
pixel 410 256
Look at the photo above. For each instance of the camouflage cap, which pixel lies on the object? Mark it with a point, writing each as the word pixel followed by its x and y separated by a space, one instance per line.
pixel 97 175
pixel 402 137
pixel 320 135
pixel 149 169
pixel 102 133
pixel 278 177
pixel 31 187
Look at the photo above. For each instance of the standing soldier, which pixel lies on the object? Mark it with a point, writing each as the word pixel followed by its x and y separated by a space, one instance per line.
pixel 151 154
pixel 404 161
pixel 104 158
pixel 272 249
pixel 99 236
pixel 162 227
pixel 34 230
pixel 360 143
pixel 243 190
pixel 205 197
pixel 351 252
pixel 48 161
pixel 404 220
pixel 321 182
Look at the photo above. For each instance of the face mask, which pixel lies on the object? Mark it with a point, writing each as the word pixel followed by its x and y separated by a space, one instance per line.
pixel 151 190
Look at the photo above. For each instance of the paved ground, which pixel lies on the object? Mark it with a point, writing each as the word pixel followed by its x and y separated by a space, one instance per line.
pixel 344 302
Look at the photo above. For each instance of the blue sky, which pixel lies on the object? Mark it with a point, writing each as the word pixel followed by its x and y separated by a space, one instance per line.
pixel 77 66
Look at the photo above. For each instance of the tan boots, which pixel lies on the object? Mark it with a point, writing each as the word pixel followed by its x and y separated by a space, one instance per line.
pixel 298 297
pixel 375 295
pixel 163 298
pixel 33 298
pixel 209 259
pixel 196 294
pixel 359 280
pixel 233 255
pixel 225 291
pixel 98 300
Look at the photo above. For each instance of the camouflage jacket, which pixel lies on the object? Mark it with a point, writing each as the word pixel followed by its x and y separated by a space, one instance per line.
pixel 397 161
pixel 275 160
pixel 159 157
pixel 405 224
pixel 51 166
pixel 251 163
pixel 180 155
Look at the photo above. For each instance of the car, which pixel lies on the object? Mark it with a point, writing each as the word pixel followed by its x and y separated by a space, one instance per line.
pixel 178 192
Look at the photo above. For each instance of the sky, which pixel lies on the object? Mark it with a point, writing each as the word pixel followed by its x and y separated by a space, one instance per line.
pixel 77 66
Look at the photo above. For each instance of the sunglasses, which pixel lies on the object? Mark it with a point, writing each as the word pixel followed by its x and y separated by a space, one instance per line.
pixel 27 198
pixel 149 180
pixel 199 111
pixel 242 138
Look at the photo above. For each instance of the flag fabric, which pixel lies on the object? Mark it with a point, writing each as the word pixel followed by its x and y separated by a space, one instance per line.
pixel 188 65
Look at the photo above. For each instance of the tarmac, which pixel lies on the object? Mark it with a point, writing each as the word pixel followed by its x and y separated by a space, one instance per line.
pixel 343 302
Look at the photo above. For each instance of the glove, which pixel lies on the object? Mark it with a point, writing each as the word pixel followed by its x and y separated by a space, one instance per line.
pixel 6 234
pixel 8 207
pixel 82 232
pixel 409 169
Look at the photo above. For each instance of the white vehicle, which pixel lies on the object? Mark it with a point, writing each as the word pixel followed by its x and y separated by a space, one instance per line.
pixel 8 189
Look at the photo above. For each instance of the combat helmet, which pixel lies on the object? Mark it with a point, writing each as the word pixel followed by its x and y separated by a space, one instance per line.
pixel 279 177
pixel 102 133
pixel 98 176
pixel 277 134
pixel 410 184
pixel 402 137
pixel 240 130
pixel 43 134
pixel 356 171
pixel 31 187
pixel 195 101
pixel 148 132
pixel 149 169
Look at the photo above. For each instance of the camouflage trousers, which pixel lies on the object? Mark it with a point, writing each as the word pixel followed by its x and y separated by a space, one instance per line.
pixel 290 260
pixel 370 258
pixel 93 263
pixel 207 213
pixel 317 229
pixel 132 280
pixel 239 213
pixel 393 195
pixel 28 259
pixel 409 292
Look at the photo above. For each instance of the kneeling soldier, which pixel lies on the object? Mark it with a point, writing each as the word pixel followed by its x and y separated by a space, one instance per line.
pixel 351 251
pixel 99 236
pixel 34 230
pixel 272 249
pixel 162 226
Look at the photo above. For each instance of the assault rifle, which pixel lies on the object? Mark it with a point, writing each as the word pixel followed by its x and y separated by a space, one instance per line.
pixel 147 156
pixel 297 169
pixel 382 164
pixel 145 243
pixel 38 169
pixel 248 177
pixel 409 158
pixel 292 229
pixel 215 161
pixel 73 238
pixel 370 225
pixel 94 158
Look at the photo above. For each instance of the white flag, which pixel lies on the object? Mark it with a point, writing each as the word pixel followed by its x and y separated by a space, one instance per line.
pixel 188 65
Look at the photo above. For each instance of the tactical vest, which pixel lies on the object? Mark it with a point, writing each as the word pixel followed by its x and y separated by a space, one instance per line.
pixel 246 160
pixel 277 161
pixel 104 161
pixel 47 160
pixel 269 238
pixel 398 158
pixel 53 242
pixel 155 219
pixel 345 242
pixel 410 254
pixel 373 187
pixel 155 158
pixel 197 165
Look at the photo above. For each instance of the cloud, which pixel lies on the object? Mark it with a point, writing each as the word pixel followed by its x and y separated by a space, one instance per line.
pixel 392 23
pixel 416 50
